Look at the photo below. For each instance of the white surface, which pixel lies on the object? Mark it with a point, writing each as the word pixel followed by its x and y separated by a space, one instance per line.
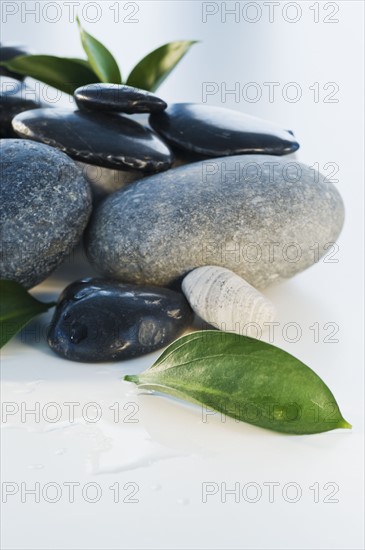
pixel 170 452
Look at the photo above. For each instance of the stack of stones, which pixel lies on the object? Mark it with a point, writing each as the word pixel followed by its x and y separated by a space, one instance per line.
pixel 207 205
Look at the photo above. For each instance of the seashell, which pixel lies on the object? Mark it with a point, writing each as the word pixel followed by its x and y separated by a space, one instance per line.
pixel 226 301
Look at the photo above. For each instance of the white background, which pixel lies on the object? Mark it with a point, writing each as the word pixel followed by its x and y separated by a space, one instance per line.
pixel 170 452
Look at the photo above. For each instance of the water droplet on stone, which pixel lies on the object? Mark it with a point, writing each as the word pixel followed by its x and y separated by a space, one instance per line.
pixel 84 293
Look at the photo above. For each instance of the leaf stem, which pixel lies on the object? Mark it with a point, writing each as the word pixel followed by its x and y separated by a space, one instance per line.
pixel 131 378
pixel 345 425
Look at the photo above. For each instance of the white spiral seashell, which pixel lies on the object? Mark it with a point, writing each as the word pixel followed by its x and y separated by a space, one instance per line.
pixel 226 301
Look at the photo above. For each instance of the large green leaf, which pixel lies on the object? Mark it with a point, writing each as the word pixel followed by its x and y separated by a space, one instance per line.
pixel 17 308
pixel 152 70
pixel 100 58
pixel 65 74
pixel 247 379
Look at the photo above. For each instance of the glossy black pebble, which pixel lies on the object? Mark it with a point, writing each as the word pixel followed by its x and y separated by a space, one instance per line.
pixel 217 131
pixel 113 97
pixel 102 320
pixel 104 139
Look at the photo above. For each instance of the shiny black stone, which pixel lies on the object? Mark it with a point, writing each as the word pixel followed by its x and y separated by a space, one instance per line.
pixel 103 139
pixel 15 98
pixel 216 131
pixel 102 320
pixel 7 53
pixel 123 99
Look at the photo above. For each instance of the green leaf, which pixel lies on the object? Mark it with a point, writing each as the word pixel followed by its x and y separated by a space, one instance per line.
pixel 17 308
pixel 152 70
pixel 100 58
pixel 246 379
pixel 83 62
pixel 65 74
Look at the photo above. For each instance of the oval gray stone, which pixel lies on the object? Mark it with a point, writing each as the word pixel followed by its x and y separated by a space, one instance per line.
pixel 264 217
pixel 45 206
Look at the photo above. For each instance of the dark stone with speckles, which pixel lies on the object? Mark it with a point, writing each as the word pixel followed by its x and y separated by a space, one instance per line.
pixel 103 139
pixel 45 206
pixel 217 131
pixel 117 98
pixel 103 320
pixel 15 98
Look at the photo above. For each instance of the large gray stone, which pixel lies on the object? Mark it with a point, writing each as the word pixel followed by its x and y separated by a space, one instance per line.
pixel 45 206
pixel 264 217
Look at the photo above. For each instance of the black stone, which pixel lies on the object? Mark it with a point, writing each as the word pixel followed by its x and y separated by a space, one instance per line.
pixel 122 99
pixel 7 53
pixel 102 139
pixel 103 320
pixel 216 131
pixel 44 208
pixel 15 98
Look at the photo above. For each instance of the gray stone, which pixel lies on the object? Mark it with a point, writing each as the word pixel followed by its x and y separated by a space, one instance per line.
pixel 45 206
pixel 264 217
pixel 104 181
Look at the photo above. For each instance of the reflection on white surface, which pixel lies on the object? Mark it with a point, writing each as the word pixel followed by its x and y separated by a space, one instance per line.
pixel 126 449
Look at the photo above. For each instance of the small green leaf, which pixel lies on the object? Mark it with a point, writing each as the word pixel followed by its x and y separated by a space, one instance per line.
pixel 152 70
pixel 65 74
pixel 100 58
pixel 246 379
pixel 17 308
